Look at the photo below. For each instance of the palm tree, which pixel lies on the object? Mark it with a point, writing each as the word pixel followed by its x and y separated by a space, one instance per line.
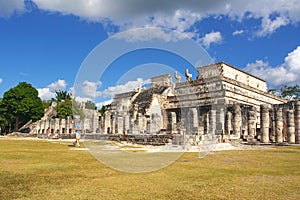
pixel 62 95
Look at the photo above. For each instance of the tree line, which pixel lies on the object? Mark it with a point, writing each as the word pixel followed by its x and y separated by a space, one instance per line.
pixel 21 104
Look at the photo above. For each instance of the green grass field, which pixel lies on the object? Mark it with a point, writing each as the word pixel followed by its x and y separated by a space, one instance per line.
pixel 51 170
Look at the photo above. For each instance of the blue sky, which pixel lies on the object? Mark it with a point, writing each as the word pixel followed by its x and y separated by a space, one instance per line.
pixel 44 42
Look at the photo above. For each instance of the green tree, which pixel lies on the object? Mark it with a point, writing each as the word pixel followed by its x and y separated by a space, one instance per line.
pixel 90 105
pixel 64 108
pixel 290 92
pixel 47 103
pixel 64 104
pixel 21 104
pixel 62 95
pixel 102 110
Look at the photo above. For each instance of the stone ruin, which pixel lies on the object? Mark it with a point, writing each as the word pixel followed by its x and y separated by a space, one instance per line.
pixel 223 103
pixel 63 128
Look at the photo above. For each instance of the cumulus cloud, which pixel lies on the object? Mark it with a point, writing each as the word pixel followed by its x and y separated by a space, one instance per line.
pixel 127 87
pixel 48 92
pixel 45 93
pixel 238 32
pixel 89 89
pixel 209 38
pixel 1 80
pixel 103 103
pixel 269 26
pixel 286 73
pixel 7 8
pixel 58 85
pixel 151 34
pixel 293 61
pixel 177 15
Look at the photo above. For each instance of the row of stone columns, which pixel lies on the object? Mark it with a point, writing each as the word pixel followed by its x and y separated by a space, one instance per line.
pixel 235 123
pixel 56 125
pixel 292 124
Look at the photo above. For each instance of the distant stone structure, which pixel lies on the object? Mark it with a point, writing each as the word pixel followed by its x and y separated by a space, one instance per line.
pixel 63 128
pixel 224 103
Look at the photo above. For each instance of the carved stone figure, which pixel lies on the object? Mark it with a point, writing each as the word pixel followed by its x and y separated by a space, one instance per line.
pixel 188 75
pixel 177 77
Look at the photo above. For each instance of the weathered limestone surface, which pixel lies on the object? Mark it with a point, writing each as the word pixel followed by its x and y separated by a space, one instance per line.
pixel 279 125
pixel 228 122
pixel 237 120
pixel 291 126
pixel 297 122
pixel 252 123
pixel 264 123
pixel 212 122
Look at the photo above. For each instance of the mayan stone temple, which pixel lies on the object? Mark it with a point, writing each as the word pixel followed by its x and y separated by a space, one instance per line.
pixel 222 103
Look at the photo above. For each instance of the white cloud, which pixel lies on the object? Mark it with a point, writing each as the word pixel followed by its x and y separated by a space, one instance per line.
pixel 45 93
pixel 103 103
pixel 293 61
pixel 58 85
pixel 209 38
pixel 129 86
pixel 238 32
pixel 178 15
pixel 49 92
pixel 269 26
pixel 7 8
pixel 286 73
pixel 150 34
pixel 89 89
pixel 1 80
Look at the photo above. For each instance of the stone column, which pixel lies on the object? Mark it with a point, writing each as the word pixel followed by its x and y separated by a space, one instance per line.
pixel 212 122
pixel 95 122
pixel 278 125
pixel 120 125
pixel 273 126
pixel 201 123
pixel 60 127
pixel 252 123
pixel 52 127
pixel 194 117
pixel 126 124
pixel 297 122
pixel 57 127
pixel 68 122
pixel 206 123
pixel 38 127
pixel 63 126
pixel 237 120
pixel 113 124
pixel 290 126
pixel 47 124
pixel 264 123
pixel 221 122
pixel 107 122
pixel 228 122
pixel 173 122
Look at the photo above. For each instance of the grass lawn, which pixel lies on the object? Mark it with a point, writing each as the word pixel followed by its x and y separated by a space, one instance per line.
pixel 36 169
